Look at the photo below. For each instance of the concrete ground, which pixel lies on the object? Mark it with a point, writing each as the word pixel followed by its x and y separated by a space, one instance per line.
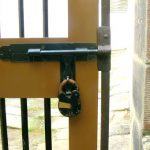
pixel 119 113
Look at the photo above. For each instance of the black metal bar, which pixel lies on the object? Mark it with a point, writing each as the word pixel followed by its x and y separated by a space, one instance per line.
pixel 104 66
pixel 47 117
pixel 105 11
pixel 47 103
pixel 24 119
pixel 4 136
pixel 50 52
pixel 105 79
pixel 45 18
pixel 24 111
pixel 21 18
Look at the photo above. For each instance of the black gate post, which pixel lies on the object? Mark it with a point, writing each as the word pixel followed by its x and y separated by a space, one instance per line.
pixel 104 63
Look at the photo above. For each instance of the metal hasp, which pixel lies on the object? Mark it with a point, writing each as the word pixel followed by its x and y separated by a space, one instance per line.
pixel 67 67
pixel 69 98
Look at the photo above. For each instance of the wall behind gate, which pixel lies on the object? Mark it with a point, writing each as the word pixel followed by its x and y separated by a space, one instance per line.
pixel 141 75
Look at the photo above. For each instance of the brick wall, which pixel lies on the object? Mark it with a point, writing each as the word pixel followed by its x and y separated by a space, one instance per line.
pixel 141 75
pixel 147 76
pixel 148 32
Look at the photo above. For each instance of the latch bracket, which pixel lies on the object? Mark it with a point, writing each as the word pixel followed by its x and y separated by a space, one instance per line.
pixel 67 67
pixel 104 48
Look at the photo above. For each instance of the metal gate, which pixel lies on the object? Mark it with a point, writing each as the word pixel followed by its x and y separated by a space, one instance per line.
pixel 35 67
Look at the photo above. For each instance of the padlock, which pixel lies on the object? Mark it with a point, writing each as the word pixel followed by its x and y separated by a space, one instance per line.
pixel 69 98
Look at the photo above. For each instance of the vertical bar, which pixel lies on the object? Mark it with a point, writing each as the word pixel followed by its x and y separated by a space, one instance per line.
pixel 24 119
pixel 47 117
pixel 82 13
pixel 105 79
pixel 83 128
pixel 45 18
pixel 21 18
pixel 24 112
pixel 47 104
pixel 105 11
pixel 4 135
